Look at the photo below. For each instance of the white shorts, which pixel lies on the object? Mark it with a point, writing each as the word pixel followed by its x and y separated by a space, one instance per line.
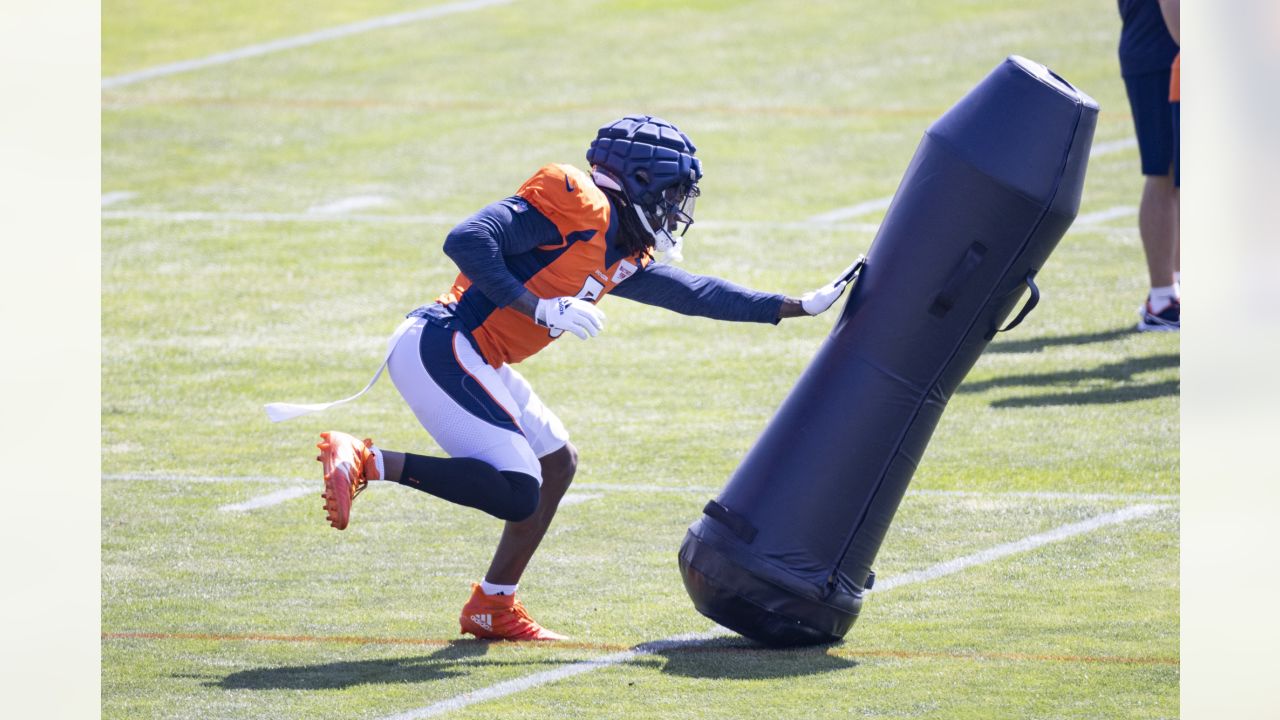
pixel 471 409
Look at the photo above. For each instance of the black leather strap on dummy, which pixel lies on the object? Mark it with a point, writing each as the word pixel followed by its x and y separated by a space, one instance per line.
pixel 731 520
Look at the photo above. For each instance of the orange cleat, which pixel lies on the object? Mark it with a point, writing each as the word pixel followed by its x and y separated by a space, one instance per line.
pixel 349 465
pixel 501 617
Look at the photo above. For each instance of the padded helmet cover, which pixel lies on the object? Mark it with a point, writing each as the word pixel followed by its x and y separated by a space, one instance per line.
pixel 646 155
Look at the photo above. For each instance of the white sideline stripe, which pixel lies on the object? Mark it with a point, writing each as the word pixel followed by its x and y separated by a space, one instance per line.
pixel 1030 542
pixel 528 682
pixel 870 206
pixel 346 205
pixel 297 41
pixel 270 499
pixel 641 488
pixel 1110 213
pixel 112 198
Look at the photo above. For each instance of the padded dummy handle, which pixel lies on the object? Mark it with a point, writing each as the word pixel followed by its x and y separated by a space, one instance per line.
pixel 1026 309
pixel 964 270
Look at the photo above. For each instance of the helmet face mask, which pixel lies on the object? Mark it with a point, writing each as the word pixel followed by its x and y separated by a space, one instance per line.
pixel 675 210
pixel 652 164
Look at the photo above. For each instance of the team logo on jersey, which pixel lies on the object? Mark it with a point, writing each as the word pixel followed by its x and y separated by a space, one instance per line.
pixel 517 204
pixel 601 275
pixel 625 270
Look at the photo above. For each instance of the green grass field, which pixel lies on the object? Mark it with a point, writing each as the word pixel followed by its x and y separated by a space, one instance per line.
pixel 797 110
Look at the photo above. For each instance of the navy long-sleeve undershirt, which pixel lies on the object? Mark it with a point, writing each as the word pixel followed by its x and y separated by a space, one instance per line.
pixel 479 244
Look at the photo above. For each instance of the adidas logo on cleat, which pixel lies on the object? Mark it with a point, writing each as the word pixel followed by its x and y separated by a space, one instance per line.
pixel 484 620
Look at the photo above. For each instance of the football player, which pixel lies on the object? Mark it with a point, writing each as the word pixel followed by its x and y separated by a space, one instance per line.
pixel 532 267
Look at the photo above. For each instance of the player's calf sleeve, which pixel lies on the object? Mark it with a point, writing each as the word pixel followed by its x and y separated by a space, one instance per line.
pixel 507 495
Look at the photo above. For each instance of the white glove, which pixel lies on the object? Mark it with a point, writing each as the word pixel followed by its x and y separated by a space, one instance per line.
pixel 568 313
pixel 816 302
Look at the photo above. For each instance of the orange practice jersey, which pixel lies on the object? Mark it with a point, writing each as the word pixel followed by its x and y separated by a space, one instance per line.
pixel 580 264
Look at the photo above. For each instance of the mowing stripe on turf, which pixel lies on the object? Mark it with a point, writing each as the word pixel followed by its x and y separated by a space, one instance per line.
pixel 187 216
pixel 280 496
pixel 870 206
pixel 528 682
pixel 297 41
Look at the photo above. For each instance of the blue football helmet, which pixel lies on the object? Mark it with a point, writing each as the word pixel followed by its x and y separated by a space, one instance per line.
pixel 651 162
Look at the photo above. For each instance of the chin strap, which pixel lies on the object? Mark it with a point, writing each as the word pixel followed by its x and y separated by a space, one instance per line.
pixel 663 241
pixel 669 246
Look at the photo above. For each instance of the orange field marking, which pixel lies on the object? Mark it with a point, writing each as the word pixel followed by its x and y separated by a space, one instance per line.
pixel 852 653
pixel 480 105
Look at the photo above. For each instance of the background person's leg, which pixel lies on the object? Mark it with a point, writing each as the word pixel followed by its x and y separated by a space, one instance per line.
pixel 1158 225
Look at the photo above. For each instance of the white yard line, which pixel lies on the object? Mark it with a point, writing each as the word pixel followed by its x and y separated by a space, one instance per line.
pixel 577 498
pixel 510 687
pixel 297 41
pixel 785 225
pixel 206 216
pixel 270 499
pixel 643 488
pixel 112 198
pixel 1048 495
pixel 853 211
pixel 170 477
pixel 1110 213
pixel 1030 542
pixel 1112 147
pixel 347 204
pixel 547 677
